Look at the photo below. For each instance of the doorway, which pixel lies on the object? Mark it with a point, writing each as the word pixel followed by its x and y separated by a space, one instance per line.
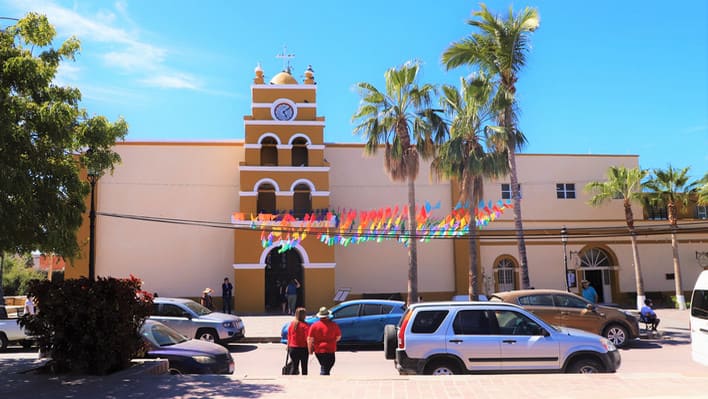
pixel 280 268
pixel 596 266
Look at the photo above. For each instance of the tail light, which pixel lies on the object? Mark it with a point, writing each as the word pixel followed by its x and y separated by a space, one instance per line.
pixel 402 329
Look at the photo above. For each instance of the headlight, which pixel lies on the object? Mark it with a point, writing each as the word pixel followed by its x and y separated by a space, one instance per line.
pixel 609 346
pixel 228 324
pixel 204 359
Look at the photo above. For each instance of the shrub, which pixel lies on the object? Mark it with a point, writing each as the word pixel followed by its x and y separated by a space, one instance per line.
pixel 89 326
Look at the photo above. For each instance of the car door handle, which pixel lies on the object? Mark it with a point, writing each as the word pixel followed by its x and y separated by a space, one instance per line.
pixel 456 341
pixel 509 341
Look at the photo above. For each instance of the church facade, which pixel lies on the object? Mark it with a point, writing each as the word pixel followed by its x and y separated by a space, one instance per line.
pixel 166 213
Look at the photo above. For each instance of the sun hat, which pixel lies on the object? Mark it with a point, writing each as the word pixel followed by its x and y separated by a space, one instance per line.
pixel 324 313
pixel 207 290
pixel 584 282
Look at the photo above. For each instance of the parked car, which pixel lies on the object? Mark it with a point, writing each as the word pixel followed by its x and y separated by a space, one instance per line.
pixel 186 356
pixel 195 321
pixel 362 321
pixel 10 331
pixel 442 338
pixel 565 309
pixel 698 321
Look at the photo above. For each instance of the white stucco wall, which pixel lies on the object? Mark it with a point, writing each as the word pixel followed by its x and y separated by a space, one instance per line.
pixel 194 182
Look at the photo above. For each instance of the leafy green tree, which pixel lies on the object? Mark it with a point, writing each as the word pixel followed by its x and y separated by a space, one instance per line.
pixel 499 48
pixel 463 156
pixel 402 119
pixel 18 273
pixel 624 184
pixel 44 136
pixel 671 188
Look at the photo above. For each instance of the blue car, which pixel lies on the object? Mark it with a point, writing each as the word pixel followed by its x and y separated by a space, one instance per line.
pixel 362 321
pixel 186 356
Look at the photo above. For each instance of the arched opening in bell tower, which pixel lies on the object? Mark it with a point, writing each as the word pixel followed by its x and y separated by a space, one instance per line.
pixel 280 269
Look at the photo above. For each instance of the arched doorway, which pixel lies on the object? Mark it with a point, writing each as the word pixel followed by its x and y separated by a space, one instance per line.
pixel 597 266
pixel 280 268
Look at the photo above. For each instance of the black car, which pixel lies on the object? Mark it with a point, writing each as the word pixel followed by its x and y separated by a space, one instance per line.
pixel 186 356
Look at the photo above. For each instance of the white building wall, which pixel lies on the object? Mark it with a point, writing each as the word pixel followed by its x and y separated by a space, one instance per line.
pixel 193 182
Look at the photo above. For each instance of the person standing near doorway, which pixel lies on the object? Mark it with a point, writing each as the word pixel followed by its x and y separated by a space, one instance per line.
pixel 291 293
pixel 589 292
pixel 227 290
pixel 206 300
pixel 322 340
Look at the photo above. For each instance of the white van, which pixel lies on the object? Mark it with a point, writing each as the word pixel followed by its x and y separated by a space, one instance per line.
pixel 699 320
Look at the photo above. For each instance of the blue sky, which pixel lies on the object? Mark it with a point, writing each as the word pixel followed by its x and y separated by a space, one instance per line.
pixel 603 77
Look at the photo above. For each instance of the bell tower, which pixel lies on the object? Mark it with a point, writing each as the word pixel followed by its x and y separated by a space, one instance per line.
pixel 284 172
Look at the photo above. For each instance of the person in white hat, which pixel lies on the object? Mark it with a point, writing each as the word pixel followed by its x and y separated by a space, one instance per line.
pixel 206 300
pixel 322 340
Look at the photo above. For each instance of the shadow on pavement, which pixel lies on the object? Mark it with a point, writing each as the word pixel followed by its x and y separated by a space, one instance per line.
pixel 241 348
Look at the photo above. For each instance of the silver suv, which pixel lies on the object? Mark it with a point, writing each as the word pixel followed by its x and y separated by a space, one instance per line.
pixel 442 338
pixel 194 320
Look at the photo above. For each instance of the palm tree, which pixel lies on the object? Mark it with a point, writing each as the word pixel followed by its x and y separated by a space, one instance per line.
pixel 500 48
pixel 402 119
pixel 463 156
pixel 671 188
pixel 703 191
pixel 624 184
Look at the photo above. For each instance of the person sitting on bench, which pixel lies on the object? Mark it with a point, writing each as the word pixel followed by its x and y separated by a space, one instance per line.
pixel 649 315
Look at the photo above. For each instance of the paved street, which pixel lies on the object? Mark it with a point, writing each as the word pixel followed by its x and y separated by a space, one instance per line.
pixel 658 367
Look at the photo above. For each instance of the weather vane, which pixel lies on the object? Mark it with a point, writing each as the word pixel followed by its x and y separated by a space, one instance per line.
pixel 286 59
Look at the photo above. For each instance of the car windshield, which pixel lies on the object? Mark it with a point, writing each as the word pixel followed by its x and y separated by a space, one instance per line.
pixel 161 335
pixel 197 308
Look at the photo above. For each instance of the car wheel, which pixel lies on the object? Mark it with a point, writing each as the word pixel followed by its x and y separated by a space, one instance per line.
pixel 3 342
pixel 207 334
pixel 390 341
pixel 586 366
pixel 617 335
pixel 442 367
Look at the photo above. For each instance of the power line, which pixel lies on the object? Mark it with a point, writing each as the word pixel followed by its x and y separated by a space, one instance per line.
pixel 698 227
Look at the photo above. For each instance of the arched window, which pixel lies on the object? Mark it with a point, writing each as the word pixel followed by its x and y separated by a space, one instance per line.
pixel 595 257
pixel 302 200
pixel 266 199
pixel 269 152
pixel 299 152
pixel 504 272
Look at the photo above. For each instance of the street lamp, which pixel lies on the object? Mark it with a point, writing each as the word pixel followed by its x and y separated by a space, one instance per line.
pixel 92 178
pixel 564 240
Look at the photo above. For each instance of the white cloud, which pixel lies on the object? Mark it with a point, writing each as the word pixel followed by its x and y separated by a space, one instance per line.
pixel 175 81
pixel 128 53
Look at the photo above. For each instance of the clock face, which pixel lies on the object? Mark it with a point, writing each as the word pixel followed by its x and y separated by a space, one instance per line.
pixel 283 112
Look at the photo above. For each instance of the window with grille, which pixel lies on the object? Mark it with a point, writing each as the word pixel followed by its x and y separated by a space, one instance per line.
pixel 565 190
pixel 701 212
pixel 657 213
pixel 506 190
pixel 504 272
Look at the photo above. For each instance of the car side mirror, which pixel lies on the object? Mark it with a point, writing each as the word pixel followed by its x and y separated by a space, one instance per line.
pixel 591 307
pixel 187 315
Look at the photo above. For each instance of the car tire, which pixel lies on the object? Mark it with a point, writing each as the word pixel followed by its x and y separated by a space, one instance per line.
pixel 3 341
pixel 390 341
pixel 442 367
pixel 586 365
pixel 617 334
pixel 207 334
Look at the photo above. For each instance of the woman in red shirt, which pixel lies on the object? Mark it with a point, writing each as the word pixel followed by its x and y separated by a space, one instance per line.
pixel 322 340
pixel 297 341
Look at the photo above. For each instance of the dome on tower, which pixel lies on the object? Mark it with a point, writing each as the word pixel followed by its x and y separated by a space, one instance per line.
pixel 283 78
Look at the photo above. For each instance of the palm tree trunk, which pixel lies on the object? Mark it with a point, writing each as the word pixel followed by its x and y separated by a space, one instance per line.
pixel 3 311
pixel 637 270
pixel 518 225
pixel 473 286
pixel 412 246
pixel 680 299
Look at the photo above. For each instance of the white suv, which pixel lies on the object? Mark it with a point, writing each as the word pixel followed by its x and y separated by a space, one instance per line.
pixel 464 337
pixel 195 321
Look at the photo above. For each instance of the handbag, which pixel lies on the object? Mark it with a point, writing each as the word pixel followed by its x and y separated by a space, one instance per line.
pixel 289 367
